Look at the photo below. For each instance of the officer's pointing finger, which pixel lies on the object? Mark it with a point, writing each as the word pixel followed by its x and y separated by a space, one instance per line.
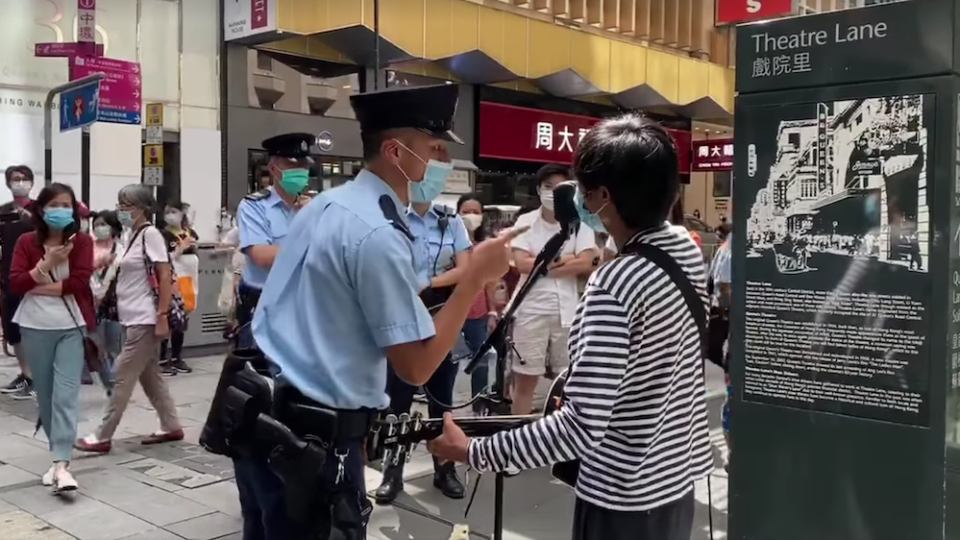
pixel 509 234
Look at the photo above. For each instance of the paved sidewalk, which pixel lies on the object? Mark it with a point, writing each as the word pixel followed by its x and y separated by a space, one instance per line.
pixel 178 491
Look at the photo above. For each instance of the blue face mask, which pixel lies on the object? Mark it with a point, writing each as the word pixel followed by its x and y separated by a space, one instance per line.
pixel 434 179
pixel 124 218
pixel 294 181
pixel 588 218
pixel 58 218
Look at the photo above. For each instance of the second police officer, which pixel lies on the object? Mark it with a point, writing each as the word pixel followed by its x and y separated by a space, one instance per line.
pixel 264 218
pixel 441 248
pixel 342 299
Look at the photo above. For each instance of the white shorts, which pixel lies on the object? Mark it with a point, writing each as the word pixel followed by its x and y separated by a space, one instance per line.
pixel 540 341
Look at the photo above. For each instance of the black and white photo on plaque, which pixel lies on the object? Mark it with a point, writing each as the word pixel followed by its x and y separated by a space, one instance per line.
pixel 844 179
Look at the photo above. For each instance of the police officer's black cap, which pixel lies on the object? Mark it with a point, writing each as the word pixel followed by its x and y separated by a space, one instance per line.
pixel 427 108
pixel 290 145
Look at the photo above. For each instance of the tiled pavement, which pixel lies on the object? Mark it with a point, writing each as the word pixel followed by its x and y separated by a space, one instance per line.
pixel 177 491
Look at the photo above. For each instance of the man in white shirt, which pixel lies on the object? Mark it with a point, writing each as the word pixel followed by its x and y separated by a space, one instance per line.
pixel 543 319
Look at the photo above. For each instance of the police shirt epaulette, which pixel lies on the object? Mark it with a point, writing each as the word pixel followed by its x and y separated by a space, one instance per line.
pixel 443 210
pixel 258 195
pixel 390 214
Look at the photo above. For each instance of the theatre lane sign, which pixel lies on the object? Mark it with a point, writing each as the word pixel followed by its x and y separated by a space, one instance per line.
pixel 855 45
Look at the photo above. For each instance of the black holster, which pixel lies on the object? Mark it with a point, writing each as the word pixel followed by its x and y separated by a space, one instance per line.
pixel 243 393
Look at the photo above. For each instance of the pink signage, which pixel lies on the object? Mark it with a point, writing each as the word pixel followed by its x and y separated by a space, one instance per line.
pixel 258 14
pixel 120 89
pixel 61 50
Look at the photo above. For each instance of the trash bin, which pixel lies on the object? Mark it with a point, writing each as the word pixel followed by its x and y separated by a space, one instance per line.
pixel 206 322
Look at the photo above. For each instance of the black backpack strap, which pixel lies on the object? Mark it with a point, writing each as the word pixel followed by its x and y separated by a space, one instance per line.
pixel 669 265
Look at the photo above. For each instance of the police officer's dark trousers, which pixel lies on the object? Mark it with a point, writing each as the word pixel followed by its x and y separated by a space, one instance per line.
pixel 440 386
pixel 262 501
pixel 247 299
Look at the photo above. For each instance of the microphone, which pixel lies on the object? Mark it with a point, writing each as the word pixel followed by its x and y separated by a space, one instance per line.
pixel 563 206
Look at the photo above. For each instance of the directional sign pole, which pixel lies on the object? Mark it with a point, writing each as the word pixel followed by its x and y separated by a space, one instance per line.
pixel 85 165
pixel 48 124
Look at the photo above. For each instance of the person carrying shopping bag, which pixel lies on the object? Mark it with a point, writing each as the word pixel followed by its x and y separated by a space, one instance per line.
pixel 146 307
pixel 181 242
pixel 51 268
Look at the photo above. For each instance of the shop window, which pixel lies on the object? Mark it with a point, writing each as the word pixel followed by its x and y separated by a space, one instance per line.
pixel 264 61
pixel 722 184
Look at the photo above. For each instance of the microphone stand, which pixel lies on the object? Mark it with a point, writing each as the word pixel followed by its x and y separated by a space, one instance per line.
pixel 494 400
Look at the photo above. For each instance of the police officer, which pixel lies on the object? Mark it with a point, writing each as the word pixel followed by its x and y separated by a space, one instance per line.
pixel 341 300
pixel 264 218
pixel 440 244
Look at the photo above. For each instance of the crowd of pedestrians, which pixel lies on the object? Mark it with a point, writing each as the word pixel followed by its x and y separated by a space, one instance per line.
pixel 93 294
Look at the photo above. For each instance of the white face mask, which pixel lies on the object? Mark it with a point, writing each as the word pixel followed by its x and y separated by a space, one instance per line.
pixel 546 198
pixel 472 221
pixel 21 188
pixel 174 219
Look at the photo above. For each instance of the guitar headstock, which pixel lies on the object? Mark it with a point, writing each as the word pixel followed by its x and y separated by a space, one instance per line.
pixel 394 437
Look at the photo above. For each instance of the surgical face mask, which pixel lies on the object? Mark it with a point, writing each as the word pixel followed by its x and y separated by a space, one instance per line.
pixel 125 218
pixel 472 221
pixel 102 232
pixel 588 218
pixel 433 182
pixel 174 219
pixel 58 218
pixel 546 198
pixel 294 181
pixel 21 188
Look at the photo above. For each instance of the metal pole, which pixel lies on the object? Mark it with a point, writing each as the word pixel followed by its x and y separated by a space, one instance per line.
pixel 376 44
pixel 85 165
pixel 48 121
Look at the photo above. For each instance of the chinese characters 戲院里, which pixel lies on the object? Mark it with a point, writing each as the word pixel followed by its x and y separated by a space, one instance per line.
pixel 781 65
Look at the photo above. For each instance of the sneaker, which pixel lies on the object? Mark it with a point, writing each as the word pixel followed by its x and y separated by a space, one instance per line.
pixel 180 366
pixel 25 393
pixel 47 478
pixel 167 369
pixel 15 385
pixel 64 481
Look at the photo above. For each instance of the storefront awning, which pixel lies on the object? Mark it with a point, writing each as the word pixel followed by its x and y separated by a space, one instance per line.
pixel 484 45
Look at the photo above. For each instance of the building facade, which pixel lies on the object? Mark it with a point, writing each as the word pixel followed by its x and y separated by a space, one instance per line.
pixel 177 43
pixel 292 65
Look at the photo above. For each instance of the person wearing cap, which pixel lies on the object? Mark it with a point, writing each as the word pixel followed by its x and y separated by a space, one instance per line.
pixel 342 301
pixel 264 219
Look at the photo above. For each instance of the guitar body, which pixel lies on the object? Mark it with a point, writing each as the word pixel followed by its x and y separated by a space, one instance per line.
pixel 567 471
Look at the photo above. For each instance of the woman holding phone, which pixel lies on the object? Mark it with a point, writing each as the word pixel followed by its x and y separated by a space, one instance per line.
pixel 51 268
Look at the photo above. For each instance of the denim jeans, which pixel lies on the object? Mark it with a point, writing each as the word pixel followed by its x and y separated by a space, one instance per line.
pixel 475 333
pixel 56 360
pixel 109 337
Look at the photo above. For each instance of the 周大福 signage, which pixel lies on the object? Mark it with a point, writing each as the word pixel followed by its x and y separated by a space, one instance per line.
pixel 840 47
pixel 712 155
pixel 524 134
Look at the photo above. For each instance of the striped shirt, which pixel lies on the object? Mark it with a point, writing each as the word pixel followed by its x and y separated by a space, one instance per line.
pixel 635 410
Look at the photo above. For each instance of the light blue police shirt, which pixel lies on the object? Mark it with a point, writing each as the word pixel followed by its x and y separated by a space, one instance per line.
pixel 436 249
pixel 262 222
pixel 341 290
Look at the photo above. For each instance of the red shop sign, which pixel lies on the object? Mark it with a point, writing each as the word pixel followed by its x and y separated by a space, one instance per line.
pixel 522 134
pixel 712 155
pixel 734 11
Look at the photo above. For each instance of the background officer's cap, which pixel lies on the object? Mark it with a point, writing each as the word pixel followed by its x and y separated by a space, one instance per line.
pixel 293 146
pixel 427 108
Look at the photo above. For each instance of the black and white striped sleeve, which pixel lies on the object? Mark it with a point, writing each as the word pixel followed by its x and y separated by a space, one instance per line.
pixel 599 347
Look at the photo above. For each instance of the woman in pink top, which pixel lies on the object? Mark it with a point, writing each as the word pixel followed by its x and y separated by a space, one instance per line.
pixel 482 315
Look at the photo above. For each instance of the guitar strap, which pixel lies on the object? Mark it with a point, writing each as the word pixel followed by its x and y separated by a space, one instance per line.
pixel 673 269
